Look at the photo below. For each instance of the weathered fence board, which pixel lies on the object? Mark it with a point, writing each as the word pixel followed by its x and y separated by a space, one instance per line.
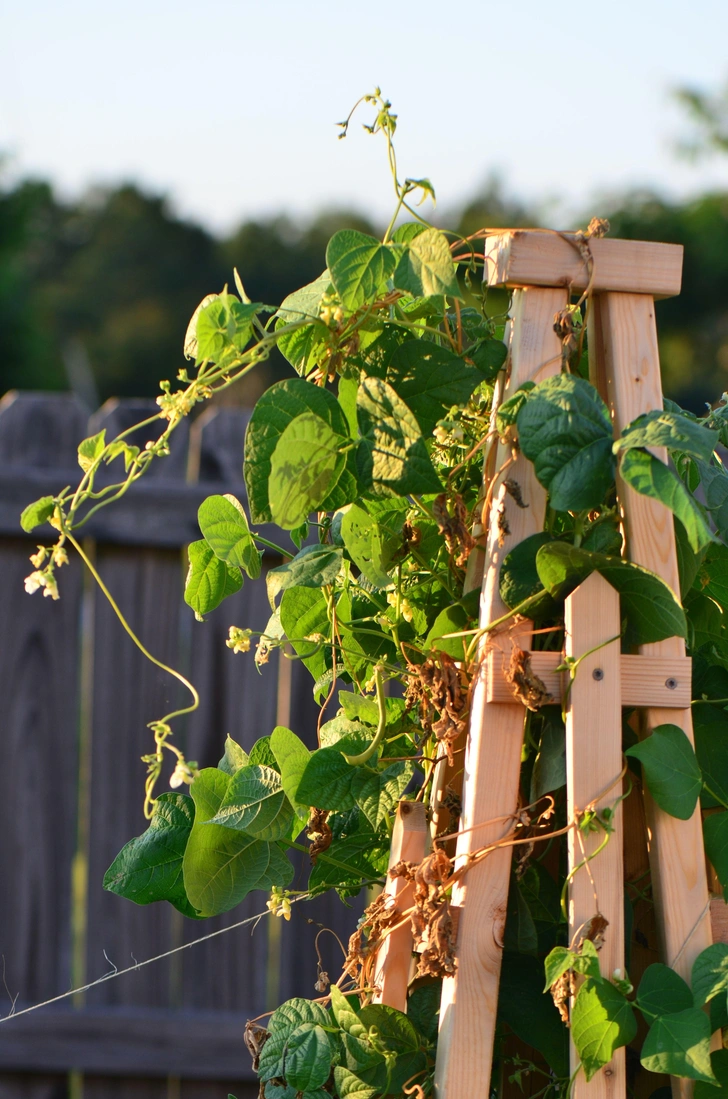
pixel 69 674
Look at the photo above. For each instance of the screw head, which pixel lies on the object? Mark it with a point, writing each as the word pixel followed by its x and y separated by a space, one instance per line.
pixel 671 683
pixel 598 673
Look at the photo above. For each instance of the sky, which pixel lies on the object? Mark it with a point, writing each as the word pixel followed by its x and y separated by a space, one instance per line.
pixel 230 109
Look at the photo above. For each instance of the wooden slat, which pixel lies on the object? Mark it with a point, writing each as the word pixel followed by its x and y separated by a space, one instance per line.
pixel 394 959
pixel 631 368
pixel 593 762
pixel 469 1000
pixel 199 1045
pixel 645 680
pixel 529 257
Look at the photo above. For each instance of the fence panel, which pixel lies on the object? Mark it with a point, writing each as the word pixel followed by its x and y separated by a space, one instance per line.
pixel 69 674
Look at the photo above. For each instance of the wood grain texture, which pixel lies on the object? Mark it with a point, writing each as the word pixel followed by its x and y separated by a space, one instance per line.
pixel 469 1000
pixel 593 764
pixel 394 958
pixel 532 257
pixel 632 370
pixel 645 680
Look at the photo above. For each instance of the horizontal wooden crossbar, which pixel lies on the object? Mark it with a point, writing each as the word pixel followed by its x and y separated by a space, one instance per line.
pixel 200 1045
pixel 527 257
pixel 646 680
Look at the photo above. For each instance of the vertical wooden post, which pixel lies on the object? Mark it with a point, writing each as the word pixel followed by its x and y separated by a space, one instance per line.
pixel 629 354
pixel 593 762
pixel 394 959
pixel 470 998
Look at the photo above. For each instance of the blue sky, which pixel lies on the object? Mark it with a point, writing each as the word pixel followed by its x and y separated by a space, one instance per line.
pixel 229 108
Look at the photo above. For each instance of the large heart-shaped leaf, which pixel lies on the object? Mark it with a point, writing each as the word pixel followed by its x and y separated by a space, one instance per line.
pixel 372 543
pixel 221 866
pixel 430 379
pixel 272 414
pixel 426 268
pixel 393 458
pixel 673 430
pixel 651 609
pixel 209 580
pixel 312 567
pixel 305 466
pixel 679 1044
pixel 256 803
pixel 565 430
pixel 670 769
pixel 225 528
pixel 662 991
pixel 149 867
pixel 303 346
pixel 359 266
pixel 602 1020
pixel 651 477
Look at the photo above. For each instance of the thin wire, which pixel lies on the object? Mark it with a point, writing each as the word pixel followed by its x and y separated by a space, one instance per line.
pixel 130 969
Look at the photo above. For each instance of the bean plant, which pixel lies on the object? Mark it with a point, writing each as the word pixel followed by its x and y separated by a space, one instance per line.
pixel 369 459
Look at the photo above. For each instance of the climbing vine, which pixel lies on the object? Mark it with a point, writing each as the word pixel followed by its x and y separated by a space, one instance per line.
pixel 369 459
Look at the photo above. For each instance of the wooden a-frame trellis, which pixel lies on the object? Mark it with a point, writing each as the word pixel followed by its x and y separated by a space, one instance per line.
pixel 623 278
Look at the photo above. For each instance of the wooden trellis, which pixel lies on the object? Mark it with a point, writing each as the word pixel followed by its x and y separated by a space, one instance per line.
pixel 623 278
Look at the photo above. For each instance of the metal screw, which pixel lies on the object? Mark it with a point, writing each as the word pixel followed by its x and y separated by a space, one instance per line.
pixel 598 673
pixel 671 683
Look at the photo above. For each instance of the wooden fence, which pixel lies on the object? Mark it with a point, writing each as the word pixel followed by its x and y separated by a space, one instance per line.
pixel 75 699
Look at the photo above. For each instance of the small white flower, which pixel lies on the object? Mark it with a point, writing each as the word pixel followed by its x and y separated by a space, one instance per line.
pixel 34 581
pixel 60 557
pixel 239 640
pixel 38 559
pixel 51 587
pixel 182 773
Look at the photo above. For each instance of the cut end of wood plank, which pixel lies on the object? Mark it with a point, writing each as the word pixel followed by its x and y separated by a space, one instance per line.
pixel 533 257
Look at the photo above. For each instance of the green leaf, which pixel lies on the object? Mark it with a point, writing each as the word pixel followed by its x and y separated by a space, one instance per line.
pixel 209 580
pixel 36 513
pixel 304 614
pixel 312 567
pixel 679 1044
pixel 670 769
pixel 650 607
pixel 344 1014
pixel 394 1030
pixel 234 757
pixel 190 343
pixel 662 991
pixel 669 429
pixel 221 866
pixel 273 412
pixel 292 757
pixel 304 468
pixel 149 867
pixel 557 962
pixel 308 1058
pixel 602 1020
pixel 549 768
pixel 360 708
pixel 710 971
pixel 519 578
pixel 430 380
pixel 715 837
pixel 367 856
pixel 710 728
pixel 452 619
pixel 539 1025
pixel 719 1065
pixel 378 795
pixel 587 961
pixel 392 457
pixel 507 414
pixel 303 346
pixel 489 355
pixel 350 1086
pixel 256 803
pixel 423 1009
pixel 372 543
pixel 224 327
pixel 649 476
pixel 91 449
pixel 426 267
pixel 225 528
pixel 328 779
pixel 359 267
pixel 565 430
pixel 284 1022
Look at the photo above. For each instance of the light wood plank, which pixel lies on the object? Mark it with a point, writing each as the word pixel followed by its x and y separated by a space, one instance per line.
pixel 645 680
pixel 632 370
pixel 469 999
pixel 394 958
pixel 593 762
pixel 532 257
